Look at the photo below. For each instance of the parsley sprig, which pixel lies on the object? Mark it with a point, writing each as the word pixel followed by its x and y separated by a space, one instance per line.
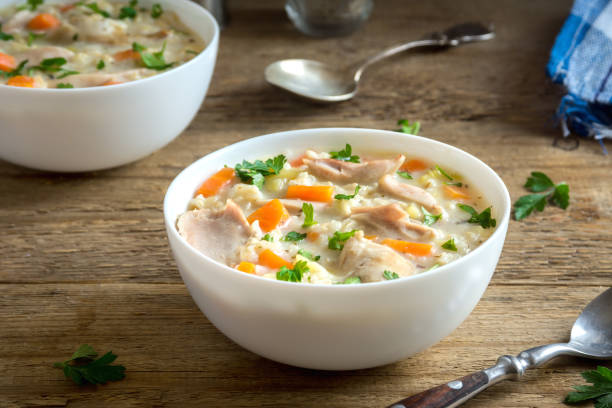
pixel 255 172
pixel 268 238
pixel 294 236
pixel 83 367
pixel 308 211
pixel 336 242
pixel 546 191
pixel 407 127
pixel 484 218
pixel 156 60
pixel 345 155
pixel 293 275
pixel 348 196
pixel 600 391
pixel 129 11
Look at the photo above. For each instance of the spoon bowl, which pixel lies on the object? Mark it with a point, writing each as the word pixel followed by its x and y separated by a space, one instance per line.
pixel 592 331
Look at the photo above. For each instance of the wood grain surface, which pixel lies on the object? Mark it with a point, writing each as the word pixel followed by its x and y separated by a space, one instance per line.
pixel 84 257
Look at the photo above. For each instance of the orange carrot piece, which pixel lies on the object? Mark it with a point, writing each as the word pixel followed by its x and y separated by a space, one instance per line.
pixel 67 8
pixel 126 55
pixel 21 81
pixel 216 182
pixel 272 261
pixel 111 83
pixel 44 22
pixel 298 161
pixel 371 237
pixel 271 215
pixel 415 165
pixel 311 193
pixel 7 62
pixel 312 236
pixel 455 192
pixel 246 267
pixel 414 248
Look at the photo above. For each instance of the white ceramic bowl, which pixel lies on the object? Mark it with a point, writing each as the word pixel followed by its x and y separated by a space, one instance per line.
pixel 337 327
pixel 86 129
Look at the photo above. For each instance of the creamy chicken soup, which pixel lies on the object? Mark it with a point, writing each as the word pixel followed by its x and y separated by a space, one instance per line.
pixel 336 217
pixel 90 43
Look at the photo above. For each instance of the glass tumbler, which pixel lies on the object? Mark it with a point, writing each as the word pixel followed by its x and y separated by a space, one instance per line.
pixel 328 18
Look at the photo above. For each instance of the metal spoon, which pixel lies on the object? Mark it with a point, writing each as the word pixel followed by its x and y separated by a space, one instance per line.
pixel 591 338
pixel 324 83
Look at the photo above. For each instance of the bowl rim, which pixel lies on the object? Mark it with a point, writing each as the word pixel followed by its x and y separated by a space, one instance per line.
pixel 207 49
pixel 500 229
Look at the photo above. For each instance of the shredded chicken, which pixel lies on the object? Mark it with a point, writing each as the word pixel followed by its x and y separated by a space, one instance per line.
pixel 390 221
pixel 18 22
pixel 100 79
pixel 218 234
pixel 405 191
pixel 96 28
pixel 347 172
pixel 368 260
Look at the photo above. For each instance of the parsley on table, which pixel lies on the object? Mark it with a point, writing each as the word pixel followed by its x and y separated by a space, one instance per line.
pixel 484 218
pixel 31 5
pixel 336 242
pixel 255 172
pixel 351 280
pixel 5 36
pixel 345 155
pixel 346 196
pixel 390 275
pixel 546 191
pixel 63 85
pixel 129 11
pixel 83 367
pixel 157 10
pixel 293 275
pixel 33 37
pixel 429 218
pixel 308 255
pixel 405 175
pixel 600 391
pixel 101 64
pixel 156 60
pixel 450 245
pixel 54 66
pixel 308 211
pixel 267 237
pixel 294 236
pixel 96 9
pixel 407 127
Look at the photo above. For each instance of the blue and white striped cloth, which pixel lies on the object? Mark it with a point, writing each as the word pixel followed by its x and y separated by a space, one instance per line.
pixel 581 59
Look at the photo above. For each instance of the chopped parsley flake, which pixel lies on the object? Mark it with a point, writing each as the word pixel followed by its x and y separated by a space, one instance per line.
pixel 156 10
pixel 429 218
pixel 346 196
pixel 65 85
pixel 389 275
pixel 129 11
pixel 351 280
pixel 293 275
pixel 267 237
pixel 294 236
pixel 101 65
pixel 442 172
pixel 5 36
pixel 96 9
pixel 484 218
pixel 450 245
pixel 308 211
pixel 308 255
pixel 404 174
pixel 156 60
pixel 336 242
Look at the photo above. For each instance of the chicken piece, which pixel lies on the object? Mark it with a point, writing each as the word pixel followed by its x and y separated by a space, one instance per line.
pixel 390 221
pixel 63 34
pixel 368 260
pixel 96 28
pixel 36 55
pixel 405 191
pixel 100 79
pixel 218 234
pixel 347 172
pixel 18 22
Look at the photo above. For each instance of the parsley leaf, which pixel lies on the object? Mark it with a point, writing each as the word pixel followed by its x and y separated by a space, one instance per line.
pixel 156 10
pixel 407 127
pixel 336 242
pixel 156 60
pixel 308 211
pixel 255 172
pixel 138 47
pixel 96 9
pixel 429 218
pixel 442 172
pixel 32 37
pixel 600 391
pixel 31 5
pixel 405 175
pixel 345 155
pixel 63 85
pixel 450 245
pixel 16 71
pixel 5 36
pixel 82 368
pixel 389 275
pixel 484 218
pixel 308 255
pixel 547 191
pixel 346 196
pixel 351 280
pixel 128 11
pixel 54 66
pixel 293 275
pixel 267 237
pixel 294 236
pixel 101 64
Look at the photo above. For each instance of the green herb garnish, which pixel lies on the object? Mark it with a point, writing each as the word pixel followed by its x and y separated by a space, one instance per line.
pixel 138 47
pixel 156 10
pixel 293 275
pixel 557 194
pixel 101 64
pixel 54 66
pixel 129 11
pixel 5 36
pixel 450 245
pixel 442 172
pixel 389 275
pixel 64 85
pixel 336 242
pixel 351 280
pixel 404 174
pixel 308 255
pixel 267 237
pixel 75 37
pixel 600 391
pixel 484 218
pixel 407 127
pixel 83 368
pixel 429 218
pixel 294 236
pixel 96 9
pixel 31 5
pixel 255 172
pixel 33 37
pixel 308 211
pixel 192 52
pixel 156 60
pixel 454 183
pixel 345 155
pixel 15 72
pixel 346 196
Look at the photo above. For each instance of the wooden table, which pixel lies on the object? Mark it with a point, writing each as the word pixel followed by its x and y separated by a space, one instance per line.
pixel 84 257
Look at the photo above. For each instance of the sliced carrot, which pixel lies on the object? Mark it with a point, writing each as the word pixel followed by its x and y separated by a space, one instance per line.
pixel 67 8
pixel 414 248
pixel 7 62
pixel 22 81
pixel 43 22
pixel 246 267
pixel 272 214
pixel 111 82
pixel 311 193
pixel 214 183
pixel 298 161
pixel 312 236
pixel 371 237
pixel 273 261
pixel 455 192
pixel 126 55
pixel 415 165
